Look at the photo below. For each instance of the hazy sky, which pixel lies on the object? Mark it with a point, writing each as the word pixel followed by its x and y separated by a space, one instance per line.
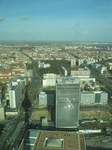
pixel 72 20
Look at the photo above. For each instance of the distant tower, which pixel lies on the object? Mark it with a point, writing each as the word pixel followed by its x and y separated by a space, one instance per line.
pixel 67 105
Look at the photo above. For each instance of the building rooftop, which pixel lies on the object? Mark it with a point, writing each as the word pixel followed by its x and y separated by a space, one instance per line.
pixel 53 140
pixel 61 140
pixel 30 141
pixel 68 80
pixel 33 134
pixel 27 147
pixel 53 143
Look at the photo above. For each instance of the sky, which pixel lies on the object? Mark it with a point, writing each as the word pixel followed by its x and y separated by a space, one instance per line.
pixel 56 20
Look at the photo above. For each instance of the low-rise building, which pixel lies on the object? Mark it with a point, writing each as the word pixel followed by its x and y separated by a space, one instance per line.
pixel 63 71
pixel 80 73
pixel 43 65
pixel 49 76
pixel 49 82
pixel 99 68
pixel 94 97
pixel 87 98
pixel 46 99
pixel 52 140
pixel 43 99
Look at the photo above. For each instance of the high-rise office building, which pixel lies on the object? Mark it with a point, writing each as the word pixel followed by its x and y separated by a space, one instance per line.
pixel 14 96
pixel 67 105
pixel 2 112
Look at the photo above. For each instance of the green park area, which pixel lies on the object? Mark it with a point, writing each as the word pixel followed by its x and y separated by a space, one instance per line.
pixel 55 66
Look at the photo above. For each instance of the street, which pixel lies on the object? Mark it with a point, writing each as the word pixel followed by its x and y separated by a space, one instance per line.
pixel 17 127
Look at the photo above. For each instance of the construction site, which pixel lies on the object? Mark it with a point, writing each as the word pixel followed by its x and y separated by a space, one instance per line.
pixel 97 114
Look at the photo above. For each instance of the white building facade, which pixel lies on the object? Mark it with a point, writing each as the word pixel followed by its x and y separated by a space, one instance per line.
pixel 2 113
pixel 15 96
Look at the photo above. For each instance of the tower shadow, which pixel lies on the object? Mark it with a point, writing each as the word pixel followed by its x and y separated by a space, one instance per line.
pixel 26 106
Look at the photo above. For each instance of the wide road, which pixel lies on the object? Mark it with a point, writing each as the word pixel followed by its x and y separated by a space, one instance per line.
pixel 103 80
pixel 14 136
pixel 10 132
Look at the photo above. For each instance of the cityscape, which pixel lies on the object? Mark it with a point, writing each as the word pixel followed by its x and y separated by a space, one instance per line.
pixel 56 75
pixel 55 95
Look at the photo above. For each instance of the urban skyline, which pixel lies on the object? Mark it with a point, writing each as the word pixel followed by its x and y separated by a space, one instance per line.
pixel 55 74
pixel 65 20
pixel 63 90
